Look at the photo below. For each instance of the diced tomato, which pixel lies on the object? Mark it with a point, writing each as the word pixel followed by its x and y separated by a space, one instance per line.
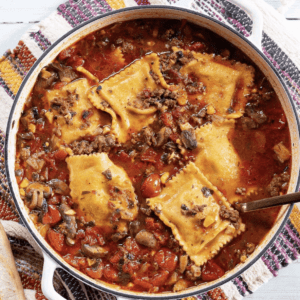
pixel 54 200
pixel 124 157
pixel 95 272
pixel 116 257
pixel 66 53
pixel 131 266
pixel 149 156
pixel 93 236
pixel 144 283
pixel 80 234
pixel 151 187
pixel 75 61
pixel 52 216
pixel 196 46
pixel 178 111
pixel 166 260
pixel 152 225
pixel 50 161
pixel 59 85
pixel 61 154
pixel 167 119
pixel 161 237
pixel 132 246
pixel 174 136
pixel 75 261
pixel 160 278
pixel 91 37
pixel 211 271
pixel 110 273
pixel 56 240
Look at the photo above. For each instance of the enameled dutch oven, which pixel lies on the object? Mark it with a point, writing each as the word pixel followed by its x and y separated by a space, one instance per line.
pixel 250 47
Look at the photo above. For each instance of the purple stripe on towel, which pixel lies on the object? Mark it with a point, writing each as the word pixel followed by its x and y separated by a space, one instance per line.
pixel 90 8
pixel 292 234
pixel 64 12
pixel 240 26
pixel 289 244
pixel 222 10
pixel 104 5
pixel 282 251
pixel 44 47
pixel 267 263
pixel 240 286
pixel 76 7
pixel 274 257
pixel 100 7
pixel 283 72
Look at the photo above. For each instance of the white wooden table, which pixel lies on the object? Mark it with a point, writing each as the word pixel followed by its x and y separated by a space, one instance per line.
pixel 16 16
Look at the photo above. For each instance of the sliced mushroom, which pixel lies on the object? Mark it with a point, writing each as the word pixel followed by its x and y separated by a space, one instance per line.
pixel 93 251
pixel 36 163
pixel 162 136
pixel 134 227
pixel 27 118
pixel 26 136
pixel 45 80
pixel 69 220
pixel 146 238
pixel 65 73
pixel 188 139
pixel 59 186
pixel 36 192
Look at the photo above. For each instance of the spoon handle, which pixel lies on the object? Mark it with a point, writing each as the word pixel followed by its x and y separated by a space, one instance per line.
pixel 268 202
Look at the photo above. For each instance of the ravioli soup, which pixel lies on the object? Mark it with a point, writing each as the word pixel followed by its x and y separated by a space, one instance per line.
pixel 134 145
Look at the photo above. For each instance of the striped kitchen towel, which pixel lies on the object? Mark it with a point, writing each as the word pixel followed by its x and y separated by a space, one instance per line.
pixel 277 45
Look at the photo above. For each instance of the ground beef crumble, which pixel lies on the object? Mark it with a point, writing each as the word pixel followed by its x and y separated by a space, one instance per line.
pixel 99 144
pixel 231 214
pixel 160 98
pixel 278 184
pixel 63 106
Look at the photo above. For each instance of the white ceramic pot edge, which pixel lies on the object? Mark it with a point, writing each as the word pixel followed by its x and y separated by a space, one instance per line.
pixel 250 8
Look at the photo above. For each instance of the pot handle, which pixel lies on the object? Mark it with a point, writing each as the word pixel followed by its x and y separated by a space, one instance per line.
pixel 251 9
pixel 47 279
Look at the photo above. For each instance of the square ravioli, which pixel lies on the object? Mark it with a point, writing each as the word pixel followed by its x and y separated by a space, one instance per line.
pixel 217 158
pixel 227 82
pixel 102 190
pixel 118 96
pixel 191 206
pixel 68 107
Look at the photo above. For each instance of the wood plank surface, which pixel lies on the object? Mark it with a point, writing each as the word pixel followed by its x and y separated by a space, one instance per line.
pixel 17 16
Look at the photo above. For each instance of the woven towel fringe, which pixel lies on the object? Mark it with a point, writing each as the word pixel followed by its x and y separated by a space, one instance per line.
pixel 16 230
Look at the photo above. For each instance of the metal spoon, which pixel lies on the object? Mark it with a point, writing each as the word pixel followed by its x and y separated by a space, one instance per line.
pixel 268 202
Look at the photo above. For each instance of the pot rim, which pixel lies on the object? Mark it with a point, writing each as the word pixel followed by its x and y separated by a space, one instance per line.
pixel 65 265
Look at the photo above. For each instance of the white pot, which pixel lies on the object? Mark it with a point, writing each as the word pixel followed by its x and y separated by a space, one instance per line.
pixel 53 260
